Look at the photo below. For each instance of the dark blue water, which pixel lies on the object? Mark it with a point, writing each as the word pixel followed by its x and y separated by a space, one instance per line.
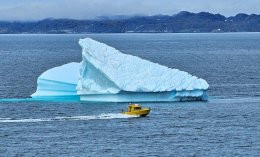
pixel 227 125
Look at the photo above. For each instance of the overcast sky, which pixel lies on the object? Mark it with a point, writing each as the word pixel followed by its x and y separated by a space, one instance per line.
pixel 87 9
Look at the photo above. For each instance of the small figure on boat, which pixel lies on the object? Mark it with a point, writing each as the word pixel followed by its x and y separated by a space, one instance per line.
pixel 137 110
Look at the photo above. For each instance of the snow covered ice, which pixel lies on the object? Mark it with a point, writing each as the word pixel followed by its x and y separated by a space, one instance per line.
pixel 106 74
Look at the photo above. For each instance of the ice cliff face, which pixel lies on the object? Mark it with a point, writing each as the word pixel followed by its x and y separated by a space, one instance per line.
pixel 105 74
pixel 58 82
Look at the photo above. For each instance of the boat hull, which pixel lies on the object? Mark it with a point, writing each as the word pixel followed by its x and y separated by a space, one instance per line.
pixel 141 113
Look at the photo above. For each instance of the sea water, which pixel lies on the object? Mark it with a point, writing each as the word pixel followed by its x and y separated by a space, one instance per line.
pixel 226 125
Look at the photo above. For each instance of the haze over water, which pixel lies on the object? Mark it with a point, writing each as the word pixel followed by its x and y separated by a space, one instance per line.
pixel 226 125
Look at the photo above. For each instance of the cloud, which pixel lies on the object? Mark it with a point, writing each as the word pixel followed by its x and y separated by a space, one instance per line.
pixel 87 9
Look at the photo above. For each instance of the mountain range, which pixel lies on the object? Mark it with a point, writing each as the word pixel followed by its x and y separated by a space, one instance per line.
pixel 183 22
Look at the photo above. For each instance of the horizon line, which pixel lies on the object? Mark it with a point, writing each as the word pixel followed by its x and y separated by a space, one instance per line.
pixel 121 16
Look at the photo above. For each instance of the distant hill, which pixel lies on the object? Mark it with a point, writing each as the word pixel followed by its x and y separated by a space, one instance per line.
pixel 178 23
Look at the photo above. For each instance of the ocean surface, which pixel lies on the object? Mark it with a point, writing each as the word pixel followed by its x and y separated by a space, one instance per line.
pixel 226 125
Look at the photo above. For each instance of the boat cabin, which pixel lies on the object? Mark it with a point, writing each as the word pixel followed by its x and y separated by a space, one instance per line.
pixel 137 110
pixel 134 107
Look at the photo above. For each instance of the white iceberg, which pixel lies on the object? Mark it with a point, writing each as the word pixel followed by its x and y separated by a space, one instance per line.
pixel 106 74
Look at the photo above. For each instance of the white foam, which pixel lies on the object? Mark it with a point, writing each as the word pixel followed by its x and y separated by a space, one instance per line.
pixel 72 118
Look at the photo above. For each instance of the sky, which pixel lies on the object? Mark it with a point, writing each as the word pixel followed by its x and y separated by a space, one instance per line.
pixel 30 10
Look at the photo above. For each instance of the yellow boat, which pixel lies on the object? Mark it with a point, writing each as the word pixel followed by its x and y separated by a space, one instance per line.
pixel 137 110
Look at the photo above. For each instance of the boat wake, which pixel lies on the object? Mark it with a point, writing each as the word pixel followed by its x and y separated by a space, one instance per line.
pixel 70 118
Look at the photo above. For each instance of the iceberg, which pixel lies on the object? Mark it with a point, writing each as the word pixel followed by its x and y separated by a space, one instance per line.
pixel 58 83
pixel 105 74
